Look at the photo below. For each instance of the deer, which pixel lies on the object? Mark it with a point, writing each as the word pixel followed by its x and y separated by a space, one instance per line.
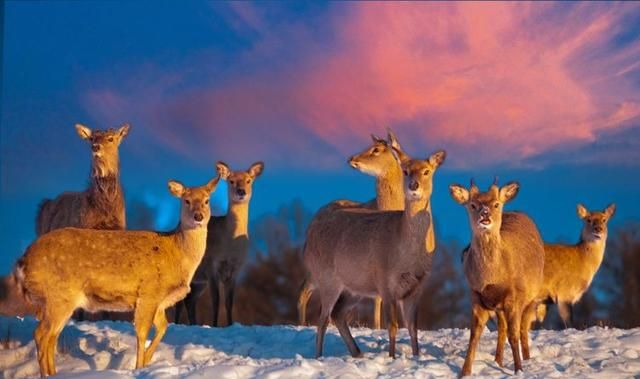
pixel 101 205
pixel 355 252
pixel 377 160
pixel 503 267
pixel 227 246
pixel 569 269
pixel 114 270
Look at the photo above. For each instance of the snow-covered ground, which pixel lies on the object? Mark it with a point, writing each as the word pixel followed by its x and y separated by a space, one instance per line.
pixel 107 350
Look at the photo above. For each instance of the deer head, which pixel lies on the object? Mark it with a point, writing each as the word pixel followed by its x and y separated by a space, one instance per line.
pixel 104 148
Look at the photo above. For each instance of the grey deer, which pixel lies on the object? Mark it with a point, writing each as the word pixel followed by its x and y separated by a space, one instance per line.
pixel 378 160
pixel 227 246
pixel 356 252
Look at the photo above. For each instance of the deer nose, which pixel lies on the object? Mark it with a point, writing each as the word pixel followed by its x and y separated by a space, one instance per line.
pixel 414 185
pixel 353 162
pixel 241 191
pixel 597 229
pixel 484 212
pixel 198 216
pixel 95 147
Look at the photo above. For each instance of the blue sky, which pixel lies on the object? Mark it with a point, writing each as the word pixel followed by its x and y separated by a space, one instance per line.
pixel 546 94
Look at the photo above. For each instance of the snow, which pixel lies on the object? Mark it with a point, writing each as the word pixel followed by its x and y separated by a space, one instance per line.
pixel 107 350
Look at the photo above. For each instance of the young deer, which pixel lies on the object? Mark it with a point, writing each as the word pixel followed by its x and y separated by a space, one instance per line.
pixel 503 266
pixel 101 206
pixel 569 269
pixel 378 160
pixel 227 245
pixel 114 270
pixel 358 252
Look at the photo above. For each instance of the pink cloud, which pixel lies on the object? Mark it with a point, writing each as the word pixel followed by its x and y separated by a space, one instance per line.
pixel 493 83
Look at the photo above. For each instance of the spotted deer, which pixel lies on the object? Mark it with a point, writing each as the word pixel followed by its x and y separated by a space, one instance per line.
pixel 101 205
pixel 114 270
pixel 355 252
pixel 227 245
pixel 378 160
pixel 503 266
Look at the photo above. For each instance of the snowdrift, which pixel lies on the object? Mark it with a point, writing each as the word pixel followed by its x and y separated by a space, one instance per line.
pixel 107 350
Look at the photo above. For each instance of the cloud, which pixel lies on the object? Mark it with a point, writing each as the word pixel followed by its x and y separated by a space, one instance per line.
pixel 493 84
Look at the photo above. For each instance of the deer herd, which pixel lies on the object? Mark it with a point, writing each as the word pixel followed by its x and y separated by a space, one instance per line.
pixel 84 258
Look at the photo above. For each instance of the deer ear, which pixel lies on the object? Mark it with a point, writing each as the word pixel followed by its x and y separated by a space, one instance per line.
pixel 509 191
pixel 392 140
pixel 582 211
pixel 213 183
pixel 459 194
pixel 83 131
pixel 176 188
pixel 223 170
pixel 376 139
pixel 123 130
pixel 256 169
pixel 611 209
pixel 437 158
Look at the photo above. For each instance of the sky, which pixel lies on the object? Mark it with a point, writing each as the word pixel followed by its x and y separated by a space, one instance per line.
pixel 547 94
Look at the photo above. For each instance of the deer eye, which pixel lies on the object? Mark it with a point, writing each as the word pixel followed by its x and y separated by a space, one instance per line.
pixel 474 206
pixel 188 202
pixel 233 182
pixel 496 205
pixel 406 172
pixel 427 172
pixel 248 181
pixel 375 150
pixel 206 201
pixel 110 139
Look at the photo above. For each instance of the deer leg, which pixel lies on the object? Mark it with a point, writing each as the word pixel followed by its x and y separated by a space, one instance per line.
pixel 528 316
pixel 377 313
pixel 479 318
pixel 41 336
pixel 303 300
pixel 514 317
pixel 214 292
pixel 328 301
pixel 191 301
pixel 57 324
pixel 391 315
pixel 160 323
pixel 565 313
pixel 229 289
pixel 339 315
pixel 142 320
pixel 410 315
pixel 502 337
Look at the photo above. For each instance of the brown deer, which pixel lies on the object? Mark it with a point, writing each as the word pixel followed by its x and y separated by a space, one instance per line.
pixel 357 252
pixel 227 245
pixel 503 266
pixel 569 269
pixel 101 206
pixel 114 270
pixel 378 160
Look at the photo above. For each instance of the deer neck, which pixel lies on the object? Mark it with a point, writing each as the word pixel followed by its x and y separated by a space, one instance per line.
pixel 485 248
pixel 592 251
pixel 105 191
pixel 418 224
pixel 191 242
pixel 390 190
pixel 237 219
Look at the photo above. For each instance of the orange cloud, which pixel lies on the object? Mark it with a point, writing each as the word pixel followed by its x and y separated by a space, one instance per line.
pixel 493 83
